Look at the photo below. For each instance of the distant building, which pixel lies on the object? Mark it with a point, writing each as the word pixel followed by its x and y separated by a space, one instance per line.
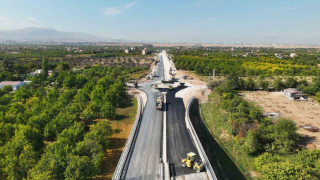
pixel 14 84
pixel 69 56
pixel 294 94
pixel 39 71
pixel 126 51
pixel 292 55
pixel 36 72
pixel 278 55
pixel 143 52
pixel 68 49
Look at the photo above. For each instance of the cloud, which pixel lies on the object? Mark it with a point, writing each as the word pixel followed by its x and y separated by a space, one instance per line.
pixel 118 10
pixel 211 19
pixel 282 9
pixel 31 18
pixel 7 23
pixel 112 11
pixel 129 5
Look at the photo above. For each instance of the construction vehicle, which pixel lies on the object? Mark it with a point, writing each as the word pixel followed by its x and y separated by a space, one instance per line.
pixel 182 83
pixel 170 87
pixel 191 162
pixel 159 103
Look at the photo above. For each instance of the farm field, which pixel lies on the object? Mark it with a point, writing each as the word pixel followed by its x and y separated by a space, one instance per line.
pixel 301 112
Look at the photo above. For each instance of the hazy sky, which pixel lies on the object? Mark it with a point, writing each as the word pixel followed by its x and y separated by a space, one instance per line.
pixel 206 21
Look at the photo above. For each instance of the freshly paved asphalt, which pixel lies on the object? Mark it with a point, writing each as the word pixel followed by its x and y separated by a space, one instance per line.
pixel 179 141
pixel 144 157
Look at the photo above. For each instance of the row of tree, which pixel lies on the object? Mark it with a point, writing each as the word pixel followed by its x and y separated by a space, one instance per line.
pixel 225 63
pixel 47 128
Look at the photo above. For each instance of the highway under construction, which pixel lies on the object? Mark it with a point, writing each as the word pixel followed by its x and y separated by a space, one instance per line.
pixel 163 136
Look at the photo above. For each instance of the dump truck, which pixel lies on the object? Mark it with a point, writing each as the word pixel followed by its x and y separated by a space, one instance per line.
pixel 191 162
pixel 159 103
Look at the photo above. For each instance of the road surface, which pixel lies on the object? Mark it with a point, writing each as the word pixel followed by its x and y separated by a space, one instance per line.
pixel 143 161
pixel 144 158
pixel 179 141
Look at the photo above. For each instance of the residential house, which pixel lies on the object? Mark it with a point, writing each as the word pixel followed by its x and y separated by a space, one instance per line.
pixel 14 84
pixel 294 94
pixel 36 72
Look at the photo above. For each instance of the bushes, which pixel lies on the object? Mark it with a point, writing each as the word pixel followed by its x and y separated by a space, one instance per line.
pixel 273 144
pixel 303 165
pixel 318 97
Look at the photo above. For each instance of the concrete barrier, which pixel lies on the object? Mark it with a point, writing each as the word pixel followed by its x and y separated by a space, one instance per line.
pixel 210 172
pixel 124 155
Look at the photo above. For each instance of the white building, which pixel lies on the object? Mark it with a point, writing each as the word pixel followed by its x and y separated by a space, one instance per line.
pixel 292 55
pixel 143 52
pixel 294 94
pixel 14 84
pixel 278 55
pixel 36 72
pixel 126 51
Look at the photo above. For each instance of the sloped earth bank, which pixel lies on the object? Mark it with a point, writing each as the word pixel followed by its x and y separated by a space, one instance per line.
pixel 121 127
pixel 222 164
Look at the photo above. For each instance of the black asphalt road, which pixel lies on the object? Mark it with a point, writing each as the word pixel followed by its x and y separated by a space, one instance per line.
pixel 144 158
pixel 179 141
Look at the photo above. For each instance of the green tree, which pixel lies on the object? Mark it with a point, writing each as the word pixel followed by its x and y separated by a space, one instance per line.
pixel 7 64
pixel 285 135
pixel 22 94
pixel 108 110
pixel 277 84
pixel 291 82
pixel 7 89
pixel 249 84
pixel 100 133
pixel 251 143
pixel 79 167
pixel 44 68
pixel 263 83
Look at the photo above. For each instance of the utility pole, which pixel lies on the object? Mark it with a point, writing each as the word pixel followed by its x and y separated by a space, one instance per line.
pixel 213 74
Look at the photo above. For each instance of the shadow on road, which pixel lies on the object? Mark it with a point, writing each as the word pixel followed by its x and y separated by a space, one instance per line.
pixel 222 164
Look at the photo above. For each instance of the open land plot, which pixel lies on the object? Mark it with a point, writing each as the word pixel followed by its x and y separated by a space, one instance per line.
pixel 301 112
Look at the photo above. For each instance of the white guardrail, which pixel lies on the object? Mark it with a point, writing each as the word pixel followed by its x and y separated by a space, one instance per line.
pixel 124 155
pixel 202 153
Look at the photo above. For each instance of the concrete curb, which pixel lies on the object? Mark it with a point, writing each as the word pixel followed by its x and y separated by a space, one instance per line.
pixel 124 155
pixel 210 172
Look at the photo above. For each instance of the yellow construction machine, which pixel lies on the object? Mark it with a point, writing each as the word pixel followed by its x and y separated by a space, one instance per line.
pixel 191 162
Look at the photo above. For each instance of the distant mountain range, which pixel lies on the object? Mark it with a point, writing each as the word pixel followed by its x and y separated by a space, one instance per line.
pixel 47 35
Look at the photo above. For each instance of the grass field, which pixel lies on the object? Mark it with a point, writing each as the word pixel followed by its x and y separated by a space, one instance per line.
pixel 139 75
pixel 215 120
pixel 121 127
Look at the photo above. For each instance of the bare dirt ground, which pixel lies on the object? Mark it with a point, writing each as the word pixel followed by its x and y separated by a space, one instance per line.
pixel 301 112
pixel 199 87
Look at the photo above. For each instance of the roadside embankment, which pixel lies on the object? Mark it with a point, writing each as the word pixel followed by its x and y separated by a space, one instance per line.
pixel 211 130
